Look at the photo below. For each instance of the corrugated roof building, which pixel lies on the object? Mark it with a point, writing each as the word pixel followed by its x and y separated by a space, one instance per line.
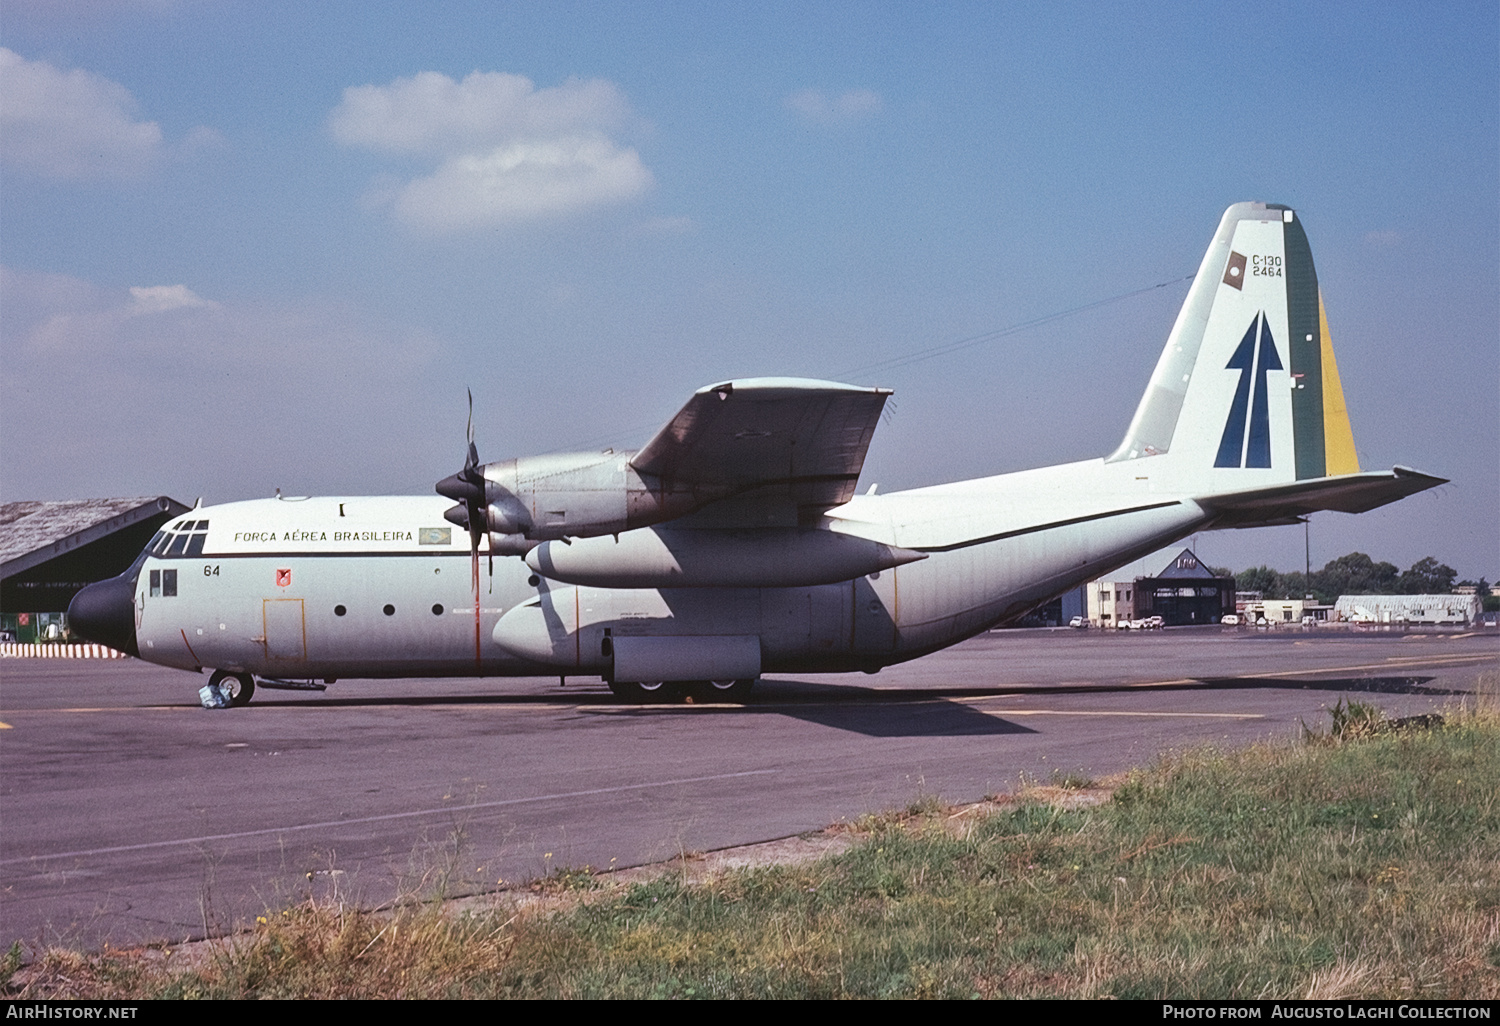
pixel 48 550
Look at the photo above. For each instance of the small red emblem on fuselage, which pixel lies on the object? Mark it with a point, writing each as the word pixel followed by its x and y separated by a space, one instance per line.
pixel 284 578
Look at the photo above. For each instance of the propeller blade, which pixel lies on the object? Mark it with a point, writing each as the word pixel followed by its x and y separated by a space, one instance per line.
pixel 467 488
pixel 473 460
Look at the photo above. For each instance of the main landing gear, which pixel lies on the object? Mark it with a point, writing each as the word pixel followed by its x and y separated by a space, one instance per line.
pixel 657 692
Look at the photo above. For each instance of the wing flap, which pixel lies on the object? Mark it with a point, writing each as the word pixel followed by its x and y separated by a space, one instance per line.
pixel 791 436
pixel 1347 493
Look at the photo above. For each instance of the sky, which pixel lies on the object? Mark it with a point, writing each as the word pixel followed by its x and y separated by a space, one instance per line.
pixel 247 246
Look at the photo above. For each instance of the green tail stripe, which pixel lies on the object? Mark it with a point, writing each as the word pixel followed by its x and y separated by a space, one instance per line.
pixel 1306 348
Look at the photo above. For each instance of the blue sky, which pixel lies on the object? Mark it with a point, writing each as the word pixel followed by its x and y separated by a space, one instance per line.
pixel 251 246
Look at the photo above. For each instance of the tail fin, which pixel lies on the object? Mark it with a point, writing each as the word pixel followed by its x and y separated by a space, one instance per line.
pixel 1246 393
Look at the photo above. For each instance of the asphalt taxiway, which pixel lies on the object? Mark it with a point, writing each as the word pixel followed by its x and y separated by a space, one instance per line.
pixel 129 814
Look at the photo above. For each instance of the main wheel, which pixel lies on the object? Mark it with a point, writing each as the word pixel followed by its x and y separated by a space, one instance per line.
pixel 238 688
pixel 648 692
pixel 723 690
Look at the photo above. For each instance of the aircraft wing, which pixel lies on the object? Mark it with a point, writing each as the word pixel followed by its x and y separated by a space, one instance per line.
pixel 785 436
pixel 1286 503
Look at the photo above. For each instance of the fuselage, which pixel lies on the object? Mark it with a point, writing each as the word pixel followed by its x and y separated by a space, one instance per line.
pixel 382 586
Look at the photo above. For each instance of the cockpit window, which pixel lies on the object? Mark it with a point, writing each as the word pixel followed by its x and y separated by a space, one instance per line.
pixel 187 538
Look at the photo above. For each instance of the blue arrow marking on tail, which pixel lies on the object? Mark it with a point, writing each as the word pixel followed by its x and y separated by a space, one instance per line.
pixel 1232 445
pixel 1236 449
pixel 1258 451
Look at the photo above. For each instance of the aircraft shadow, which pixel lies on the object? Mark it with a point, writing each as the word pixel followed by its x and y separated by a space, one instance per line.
pixel 880 712
pixel 899 719
pixel 1371 685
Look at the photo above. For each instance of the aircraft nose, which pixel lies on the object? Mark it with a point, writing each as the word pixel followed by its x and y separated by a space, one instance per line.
pixel 105 612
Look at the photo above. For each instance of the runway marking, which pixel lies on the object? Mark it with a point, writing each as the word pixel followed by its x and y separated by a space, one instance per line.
pixel 1113 712
pixel 106 709
pixel 1407 662
pixel 6 726
pixel 446 809
pixel 1443 661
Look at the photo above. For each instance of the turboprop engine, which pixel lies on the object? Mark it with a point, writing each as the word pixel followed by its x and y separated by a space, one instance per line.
pixel 565 495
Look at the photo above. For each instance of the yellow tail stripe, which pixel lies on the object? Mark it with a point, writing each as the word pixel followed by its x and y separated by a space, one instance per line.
pixel 1338 436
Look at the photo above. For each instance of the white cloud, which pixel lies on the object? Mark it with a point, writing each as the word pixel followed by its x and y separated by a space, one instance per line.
pixel 431 113
pixel 820 107
pixel 506 151
pixel 150 299
pixel 523 181
pixel 71 124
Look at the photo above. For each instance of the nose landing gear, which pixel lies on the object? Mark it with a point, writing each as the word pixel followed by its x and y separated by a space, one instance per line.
pixel 233 689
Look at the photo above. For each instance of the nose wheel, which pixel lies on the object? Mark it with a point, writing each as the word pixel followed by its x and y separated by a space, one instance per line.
pixel 237 688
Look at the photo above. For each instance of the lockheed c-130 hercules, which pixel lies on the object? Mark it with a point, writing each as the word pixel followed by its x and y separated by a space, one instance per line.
pixel 733 543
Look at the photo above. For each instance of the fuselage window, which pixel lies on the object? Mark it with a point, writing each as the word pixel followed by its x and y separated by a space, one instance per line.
pixel 168 583
pixel 156 584
pixel 389 610
pixel 339 610
pixel 437 610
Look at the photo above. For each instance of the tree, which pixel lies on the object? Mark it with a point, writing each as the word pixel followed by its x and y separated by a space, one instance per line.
pixel 1355 574
pixel 1261 578
pixel 1427 577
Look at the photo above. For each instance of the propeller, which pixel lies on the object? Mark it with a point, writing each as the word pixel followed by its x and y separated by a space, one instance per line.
pixel 467 488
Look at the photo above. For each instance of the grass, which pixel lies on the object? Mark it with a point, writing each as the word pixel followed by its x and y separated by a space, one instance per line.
pixel 1359 862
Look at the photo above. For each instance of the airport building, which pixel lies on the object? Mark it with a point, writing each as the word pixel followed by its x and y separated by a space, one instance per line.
pixel 1275 611
pixel 1110 602
pixel 49 550
pixel 1184 593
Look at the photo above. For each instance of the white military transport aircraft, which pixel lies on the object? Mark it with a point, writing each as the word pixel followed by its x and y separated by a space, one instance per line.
pixel 733 543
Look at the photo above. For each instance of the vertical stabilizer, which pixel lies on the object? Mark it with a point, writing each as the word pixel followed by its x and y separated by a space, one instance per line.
pixel 1246 393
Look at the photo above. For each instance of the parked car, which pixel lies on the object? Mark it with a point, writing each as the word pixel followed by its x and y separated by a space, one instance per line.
pixel 1078 621
pixel 1230 620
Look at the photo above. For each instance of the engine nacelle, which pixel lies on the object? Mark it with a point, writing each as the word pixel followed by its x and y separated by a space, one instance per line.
pixel 579 495
pixel 665 557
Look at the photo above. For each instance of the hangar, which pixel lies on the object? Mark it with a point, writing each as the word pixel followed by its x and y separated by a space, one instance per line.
pixel 49 550
pixel 1185 592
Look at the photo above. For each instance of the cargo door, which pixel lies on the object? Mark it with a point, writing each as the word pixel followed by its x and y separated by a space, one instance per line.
pixel 285 630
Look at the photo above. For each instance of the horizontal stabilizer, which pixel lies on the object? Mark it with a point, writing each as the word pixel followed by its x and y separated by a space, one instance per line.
pixel 1346 493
